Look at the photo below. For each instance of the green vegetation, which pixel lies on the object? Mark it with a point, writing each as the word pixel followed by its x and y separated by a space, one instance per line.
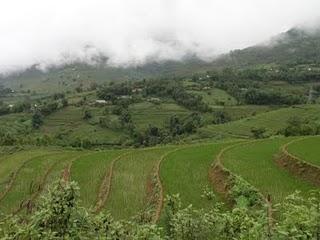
pixel 298 126
pixel 75 123
pixel 58 216
pixel 31 179
pixel 306 149
pixel 132 179
pixel 273 121
pixel 89 171
pixel 11 163
pixel 68 126
pixel 185 172
pixel 255 163
pixel 146 113
pixel 215 96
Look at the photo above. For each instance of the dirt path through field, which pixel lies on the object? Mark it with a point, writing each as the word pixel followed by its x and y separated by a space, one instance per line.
pixel 105 186
pixel 66 173
pixel 159 206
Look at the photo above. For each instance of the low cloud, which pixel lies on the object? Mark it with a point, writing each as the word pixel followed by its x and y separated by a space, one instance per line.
pixel 131 32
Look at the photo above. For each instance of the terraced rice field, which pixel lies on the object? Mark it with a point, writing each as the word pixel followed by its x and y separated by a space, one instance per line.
pixel 131 181
pixel 89 171
pixel 15 123
pixel 69 123
pixel 307 149
pixel 185 172
pixel 157 114
pixel 121 181
pixel 31 179
pixel 255 163
pixel 11 163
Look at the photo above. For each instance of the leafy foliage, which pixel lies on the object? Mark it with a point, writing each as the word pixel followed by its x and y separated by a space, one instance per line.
pixel 59 216
pixel 243 193
pixel 258 132
pixel 297 126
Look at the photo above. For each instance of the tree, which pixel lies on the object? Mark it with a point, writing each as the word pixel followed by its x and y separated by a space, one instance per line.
pixel 125 117
pixel 220 117
pixel 300 127
pixel 105 122
pixel 258 132
pixel 64 102
pixel 49 108
pixel 37 120
pixel 191 123
pixel 175 125
pixel 87 115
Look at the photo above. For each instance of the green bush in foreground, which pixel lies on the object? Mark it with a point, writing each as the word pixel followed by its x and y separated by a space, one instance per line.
pixel 58 216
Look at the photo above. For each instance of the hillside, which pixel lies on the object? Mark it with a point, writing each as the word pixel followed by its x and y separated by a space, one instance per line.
pixel 296 46
pixel 71 76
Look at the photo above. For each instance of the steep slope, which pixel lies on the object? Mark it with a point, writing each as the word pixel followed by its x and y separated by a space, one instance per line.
pixel 294 46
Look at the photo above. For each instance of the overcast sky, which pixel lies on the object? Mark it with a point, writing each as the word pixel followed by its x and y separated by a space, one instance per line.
pixel 132 31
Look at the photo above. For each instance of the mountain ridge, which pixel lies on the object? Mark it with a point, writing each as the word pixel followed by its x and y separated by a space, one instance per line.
pixel 296 46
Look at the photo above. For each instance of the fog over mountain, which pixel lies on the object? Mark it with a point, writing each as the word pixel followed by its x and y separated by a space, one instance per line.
pixel 132 32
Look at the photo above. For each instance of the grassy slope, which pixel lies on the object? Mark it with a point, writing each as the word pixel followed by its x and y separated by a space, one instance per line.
pixel 186 172
pixel 307 149
pixel 88 171
pixel 244 111
pixel 254 162
pixel 15 123
pixel 273 121
pixel 215 95
pixel 147 113
pixel 70 122
pixel 29 178
pixel 129 182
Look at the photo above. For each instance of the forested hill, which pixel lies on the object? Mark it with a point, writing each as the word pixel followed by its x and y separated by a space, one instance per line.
pixel 101 71
pixel 296 46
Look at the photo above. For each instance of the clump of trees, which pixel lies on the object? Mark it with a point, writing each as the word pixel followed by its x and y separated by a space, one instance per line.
pixel 4 109
pixel 175 127
pixel 58 215
pixel 220 117
pixel 248 85
pixel 300 127
pixel 271 97
pixel 175 90
pixel 4 91
pixel 47 107
pixel 164 88
pixel 24 106
pixel 258 132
